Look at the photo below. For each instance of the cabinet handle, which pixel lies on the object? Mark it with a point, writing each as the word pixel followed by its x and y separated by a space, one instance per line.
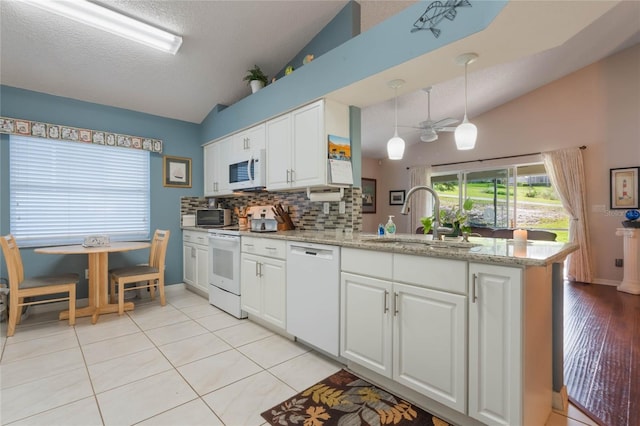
pixel 271 248
pixel 260 269
pixel 395 304
pixel 473 288
pixel 288 173
pixel 386 301
pixel 257 269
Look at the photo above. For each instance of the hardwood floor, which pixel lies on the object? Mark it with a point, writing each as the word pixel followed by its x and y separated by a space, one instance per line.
pixel 602 352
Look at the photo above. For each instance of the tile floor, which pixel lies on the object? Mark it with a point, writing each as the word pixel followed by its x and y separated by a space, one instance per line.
pixel 187 363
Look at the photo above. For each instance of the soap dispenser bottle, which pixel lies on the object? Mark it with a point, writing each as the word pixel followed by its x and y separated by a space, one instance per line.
pixel 390 227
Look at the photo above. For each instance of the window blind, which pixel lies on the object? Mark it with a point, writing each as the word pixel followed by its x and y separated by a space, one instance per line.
pixel 61 192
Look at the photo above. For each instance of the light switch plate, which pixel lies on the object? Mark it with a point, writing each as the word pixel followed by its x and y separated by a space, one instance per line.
pixel 342 207
pixel 326 207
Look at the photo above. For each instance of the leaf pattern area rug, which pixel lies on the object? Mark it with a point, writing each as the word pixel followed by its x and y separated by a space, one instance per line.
pixel 346 400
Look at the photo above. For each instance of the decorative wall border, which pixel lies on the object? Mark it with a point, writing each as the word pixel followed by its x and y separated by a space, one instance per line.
pixel 16 126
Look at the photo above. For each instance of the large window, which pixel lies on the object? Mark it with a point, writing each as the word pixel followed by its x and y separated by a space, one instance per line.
pixel 506 197
pixel 61 192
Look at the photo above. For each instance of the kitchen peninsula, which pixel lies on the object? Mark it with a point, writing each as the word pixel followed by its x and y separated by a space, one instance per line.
pixel 463 329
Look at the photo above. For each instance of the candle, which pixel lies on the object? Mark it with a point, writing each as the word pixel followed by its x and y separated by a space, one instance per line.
pixel 520 235
pixel 520 250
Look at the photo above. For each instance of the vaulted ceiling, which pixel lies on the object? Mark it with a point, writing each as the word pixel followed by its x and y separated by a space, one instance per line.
pixel 222 39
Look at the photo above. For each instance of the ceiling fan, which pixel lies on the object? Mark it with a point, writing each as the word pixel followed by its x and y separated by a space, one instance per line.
pixel 431 128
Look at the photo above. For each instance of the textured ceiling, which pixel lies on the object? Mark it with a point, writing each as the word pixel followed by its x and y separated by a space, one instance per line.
pixel 222 39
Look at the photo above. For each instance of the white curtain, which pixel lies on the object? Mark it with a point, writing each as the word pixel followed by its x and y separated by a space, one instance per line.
pixel 419 175
pixel 566 170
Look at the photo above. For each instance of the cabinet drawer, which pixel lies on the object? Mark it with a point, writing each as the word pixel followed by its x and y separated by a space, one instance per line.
pixel 268 247
pixel 437 273
pixel 367 262
pixel 195 237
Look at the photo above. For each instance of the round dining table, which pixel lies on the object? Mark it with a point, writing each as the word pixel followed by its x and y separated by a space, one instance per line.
pixel 98 271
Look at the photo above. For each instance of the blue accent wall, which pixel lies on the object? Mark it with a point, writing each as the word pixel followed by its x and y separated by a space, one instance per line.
pixel 383 46
pixel 180 139
pixel 386 45
pixel 341 29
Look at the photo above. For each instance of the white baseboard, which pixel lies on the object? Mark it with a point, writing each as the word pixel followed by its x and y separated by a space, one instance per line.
pixel 603 281
pixel 560 401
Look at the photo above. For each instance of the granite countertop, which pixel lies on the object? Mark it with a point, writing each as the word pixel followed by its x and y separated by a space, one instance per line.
pixel 487 250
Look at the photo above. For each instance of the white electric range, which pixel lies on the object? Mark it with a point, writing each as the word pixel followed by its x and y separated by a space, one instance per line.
pixel 224 270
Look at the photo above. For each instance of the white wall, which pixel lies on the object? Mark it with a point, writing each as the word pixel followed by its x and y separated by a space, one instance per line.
pixel 597 106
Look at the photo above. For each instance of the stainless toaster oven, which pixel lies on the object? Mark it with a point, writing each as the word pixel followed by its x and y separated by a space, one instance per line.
pixel 213 218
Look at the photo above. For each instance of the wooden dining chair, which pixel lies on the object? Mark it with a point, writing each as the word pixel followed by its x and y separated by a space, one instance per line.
pixel 21 290
pixel 143 276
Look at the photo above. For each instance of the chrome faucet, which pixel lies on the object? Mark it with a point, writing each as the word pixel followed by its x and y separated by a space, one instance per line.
pixel 437 229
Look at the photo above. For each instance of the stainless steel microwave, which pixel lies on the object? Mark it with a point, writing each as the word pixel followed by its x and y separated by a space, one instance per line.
pixel 247 170
pixel 213 218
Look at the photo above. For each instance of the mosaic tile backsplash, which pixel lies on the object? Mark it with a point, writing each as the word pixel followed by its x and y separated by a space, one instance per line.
pixel 306 215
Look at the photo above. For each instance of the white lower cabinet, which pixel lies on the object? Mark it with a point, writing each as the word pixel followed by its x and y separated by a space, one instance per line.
pixel 195 258
pixel 429 343
pixel 495 344
pixel 366 323
pixel 263 280
pixel 413 335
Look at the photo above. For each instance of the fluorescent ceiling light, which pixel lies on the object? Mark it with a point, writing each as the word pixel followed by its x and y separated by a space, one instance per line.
pixel 107 20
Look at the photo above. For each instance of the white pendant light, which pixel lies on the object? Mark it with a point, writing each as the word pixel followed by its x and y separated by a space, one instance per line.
pixel 99 17
pixel 466 133
pixel 395 146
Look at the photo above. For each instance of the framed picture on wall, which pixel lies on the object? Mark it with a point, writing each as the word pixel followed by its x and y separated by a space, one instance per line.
pixel 176 172
pixel 624 188
pixel 368 195
pixel 396 198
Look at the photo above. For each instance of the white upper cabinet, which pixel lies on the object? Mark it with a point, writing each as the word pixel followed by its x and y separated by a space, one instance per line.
pixel 297 144
pixel 251 139
pixel 278 153
pixel 216 176
pixel 309 148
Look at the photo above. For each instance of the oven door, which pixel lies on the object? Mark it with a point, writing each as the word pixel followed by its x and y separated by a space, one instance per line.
pixel 224 262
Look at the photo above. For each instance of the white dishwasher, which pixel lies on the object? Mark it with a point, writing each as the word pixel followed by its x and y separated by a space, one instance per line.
pixel 313 294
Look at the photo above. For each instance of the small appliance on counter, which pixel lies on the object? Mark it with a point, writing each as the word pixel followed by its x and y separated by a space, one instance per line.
pixel 188 220
pixel 213 218
pixel 262 219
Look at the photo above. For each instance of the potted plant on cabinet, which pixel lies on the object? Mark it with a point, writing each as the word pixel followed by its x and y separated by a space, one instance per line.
pixel 256 78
